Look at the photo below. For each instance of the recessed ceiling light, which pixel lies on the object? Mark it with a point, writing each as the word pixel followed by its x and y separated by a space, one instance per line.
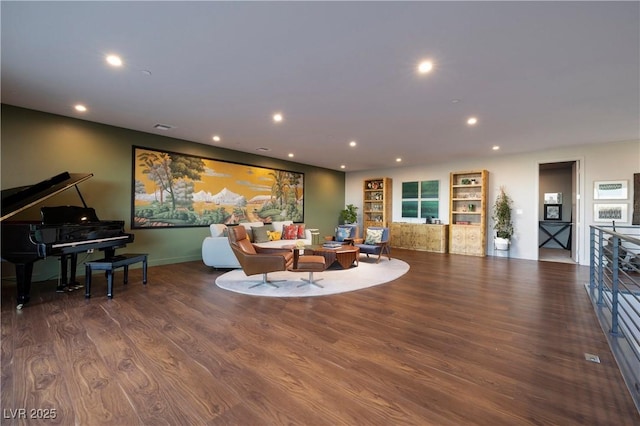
pixel 216 138
pixel 342 166
pixel 495 147
pixel 80 108
pixel 114 60
pixel 352 143
pixel 277 117
pixel 291 155
pixel 472 121
pixel 398 160
pixel 455 101
pixel 425 67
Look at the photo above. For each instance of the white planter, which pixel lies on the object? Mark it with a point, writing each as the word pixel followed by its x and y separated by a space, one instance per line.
pixel 501 243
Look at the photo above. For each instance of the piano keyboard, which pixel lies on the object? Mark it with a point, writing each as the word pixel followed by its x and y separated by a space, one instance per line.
pixel 99 240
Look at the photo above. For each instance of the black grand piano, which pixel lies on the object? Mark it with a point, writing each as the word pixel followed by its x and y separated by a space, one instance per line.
pixel 63 231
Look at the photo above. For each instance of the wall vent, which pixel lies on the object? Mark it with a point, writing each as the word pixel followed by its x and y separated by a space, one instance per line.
pixel 592 358
pixel 163 127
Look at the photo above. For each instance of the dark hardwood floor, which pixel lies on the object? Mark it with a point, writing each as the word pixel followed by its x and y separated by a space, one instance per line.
pixel 457 341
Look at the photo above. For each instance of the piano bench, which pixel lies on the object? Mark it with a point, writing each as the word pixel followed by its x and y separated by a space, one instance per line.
pixel 109 264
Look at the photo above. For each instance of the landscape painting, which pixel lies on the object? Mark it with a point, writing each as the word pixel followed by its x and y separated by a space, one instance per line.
pixel 177 190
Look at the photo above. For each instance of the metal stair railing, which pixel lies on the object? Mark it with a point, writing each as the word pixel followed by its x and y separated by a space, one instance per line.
pixel 614 289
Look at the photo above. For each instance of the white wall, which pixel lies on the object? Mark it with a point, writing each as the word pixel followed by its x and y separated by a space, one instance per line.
pixel 519 174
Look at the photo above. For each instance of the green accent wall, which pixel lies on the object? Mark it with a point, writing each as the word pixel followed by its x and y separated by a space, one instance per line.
pixel 36 146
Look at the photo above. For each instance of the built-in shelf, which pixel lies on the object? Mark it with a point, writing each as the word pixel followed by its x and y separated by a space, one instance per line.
pixel 467 212
pixel 376 210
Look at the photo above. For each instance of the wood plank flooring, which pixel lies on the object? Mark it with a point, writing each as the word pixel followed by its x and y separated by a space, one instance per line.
pixel 458 340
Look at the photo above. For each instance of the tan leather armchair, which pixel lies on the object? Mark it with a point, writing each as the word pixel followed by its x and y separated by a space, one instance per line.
pixel 255 259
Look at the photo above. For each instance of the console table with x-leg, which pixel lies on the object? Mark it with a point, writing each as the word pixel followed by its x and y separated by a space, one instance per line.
pixel 554 231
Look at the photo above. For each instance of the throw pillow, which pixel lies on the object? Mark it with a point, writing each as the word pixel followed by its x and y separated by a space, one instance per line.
pixel 301 231
pixel 374 236
pixel 260 234
pixel 274 235
pixel 342 233
pixel 290 232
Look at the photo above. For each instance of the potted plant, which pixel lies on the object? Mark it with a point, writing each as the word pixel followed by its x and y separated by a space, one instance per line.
pixel 349 214
pixel 502 220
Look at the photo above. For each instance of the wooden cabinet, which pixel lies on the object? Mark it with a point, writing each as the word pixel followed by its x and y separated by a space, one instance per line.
pixel 437 238
pixel 377 202
pixel 419 236
pixel 468 212
pixel 467 239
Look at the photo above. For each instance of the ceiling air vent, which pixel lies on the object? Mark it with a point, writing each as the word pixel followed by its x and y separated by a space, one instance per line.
pixel 163 127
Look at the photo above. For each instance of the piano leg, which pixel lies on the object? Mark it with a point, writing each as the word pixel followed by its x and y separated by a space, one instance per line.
pixel 72 273
pixel 68 275
pixel 24 271
pixel 62 284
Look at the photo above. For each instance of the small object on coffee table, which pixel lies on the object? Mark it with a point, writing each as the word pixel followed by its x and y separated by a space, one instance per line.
pixel 332 245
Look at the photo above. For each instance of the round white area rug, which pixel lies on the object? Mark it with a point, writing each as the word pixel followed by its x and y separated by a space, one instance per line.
pixel 334 280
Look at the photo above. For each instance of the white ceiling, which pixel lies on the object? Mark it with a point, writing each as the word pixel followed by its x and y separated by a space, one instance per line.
pixel 536 74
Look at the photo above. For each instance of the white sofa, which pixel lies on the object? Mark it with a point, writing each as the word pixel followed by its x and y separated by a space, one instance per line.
pixel 216 251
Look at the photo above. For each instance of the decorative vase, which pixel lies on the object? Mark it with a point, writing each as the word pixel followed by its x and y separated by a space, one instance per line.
pixel 501 243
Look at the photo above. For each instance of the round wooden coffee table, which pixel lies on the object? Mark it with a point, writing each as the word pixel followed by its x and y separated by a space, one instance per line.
pixel 345 255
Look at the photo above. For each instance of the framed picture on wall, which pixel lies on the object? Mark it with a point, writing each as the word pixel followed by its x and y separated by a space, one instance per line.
pixel 409 208
pixel 420 199
pixel 609 212
pixel 170 189
pixel 553 212
pixel 610 190
pixel 553 197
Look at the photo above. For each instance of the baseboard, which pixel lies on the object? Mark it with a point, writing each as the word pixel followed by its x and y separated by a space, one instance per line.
pixel 48 274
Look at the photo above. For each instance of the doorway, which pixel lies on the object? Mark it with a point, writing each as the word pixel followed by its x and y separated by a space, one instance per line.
pixel 558 213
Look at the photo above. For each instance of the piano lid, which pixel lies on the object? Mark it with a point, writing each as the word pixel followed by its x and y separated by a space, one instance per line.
pixel 15 200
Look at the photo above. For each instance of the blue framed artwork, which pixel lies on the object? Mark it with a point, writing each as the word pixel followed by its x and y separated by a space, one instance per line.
pixel 430 189
pixel 429 208
pixel 409 190
pixel 409 208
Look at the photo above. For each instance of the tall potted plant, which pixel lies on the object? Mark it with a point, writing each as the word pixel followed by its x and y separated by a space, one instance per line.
pixel 502 220
pixel 349 214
